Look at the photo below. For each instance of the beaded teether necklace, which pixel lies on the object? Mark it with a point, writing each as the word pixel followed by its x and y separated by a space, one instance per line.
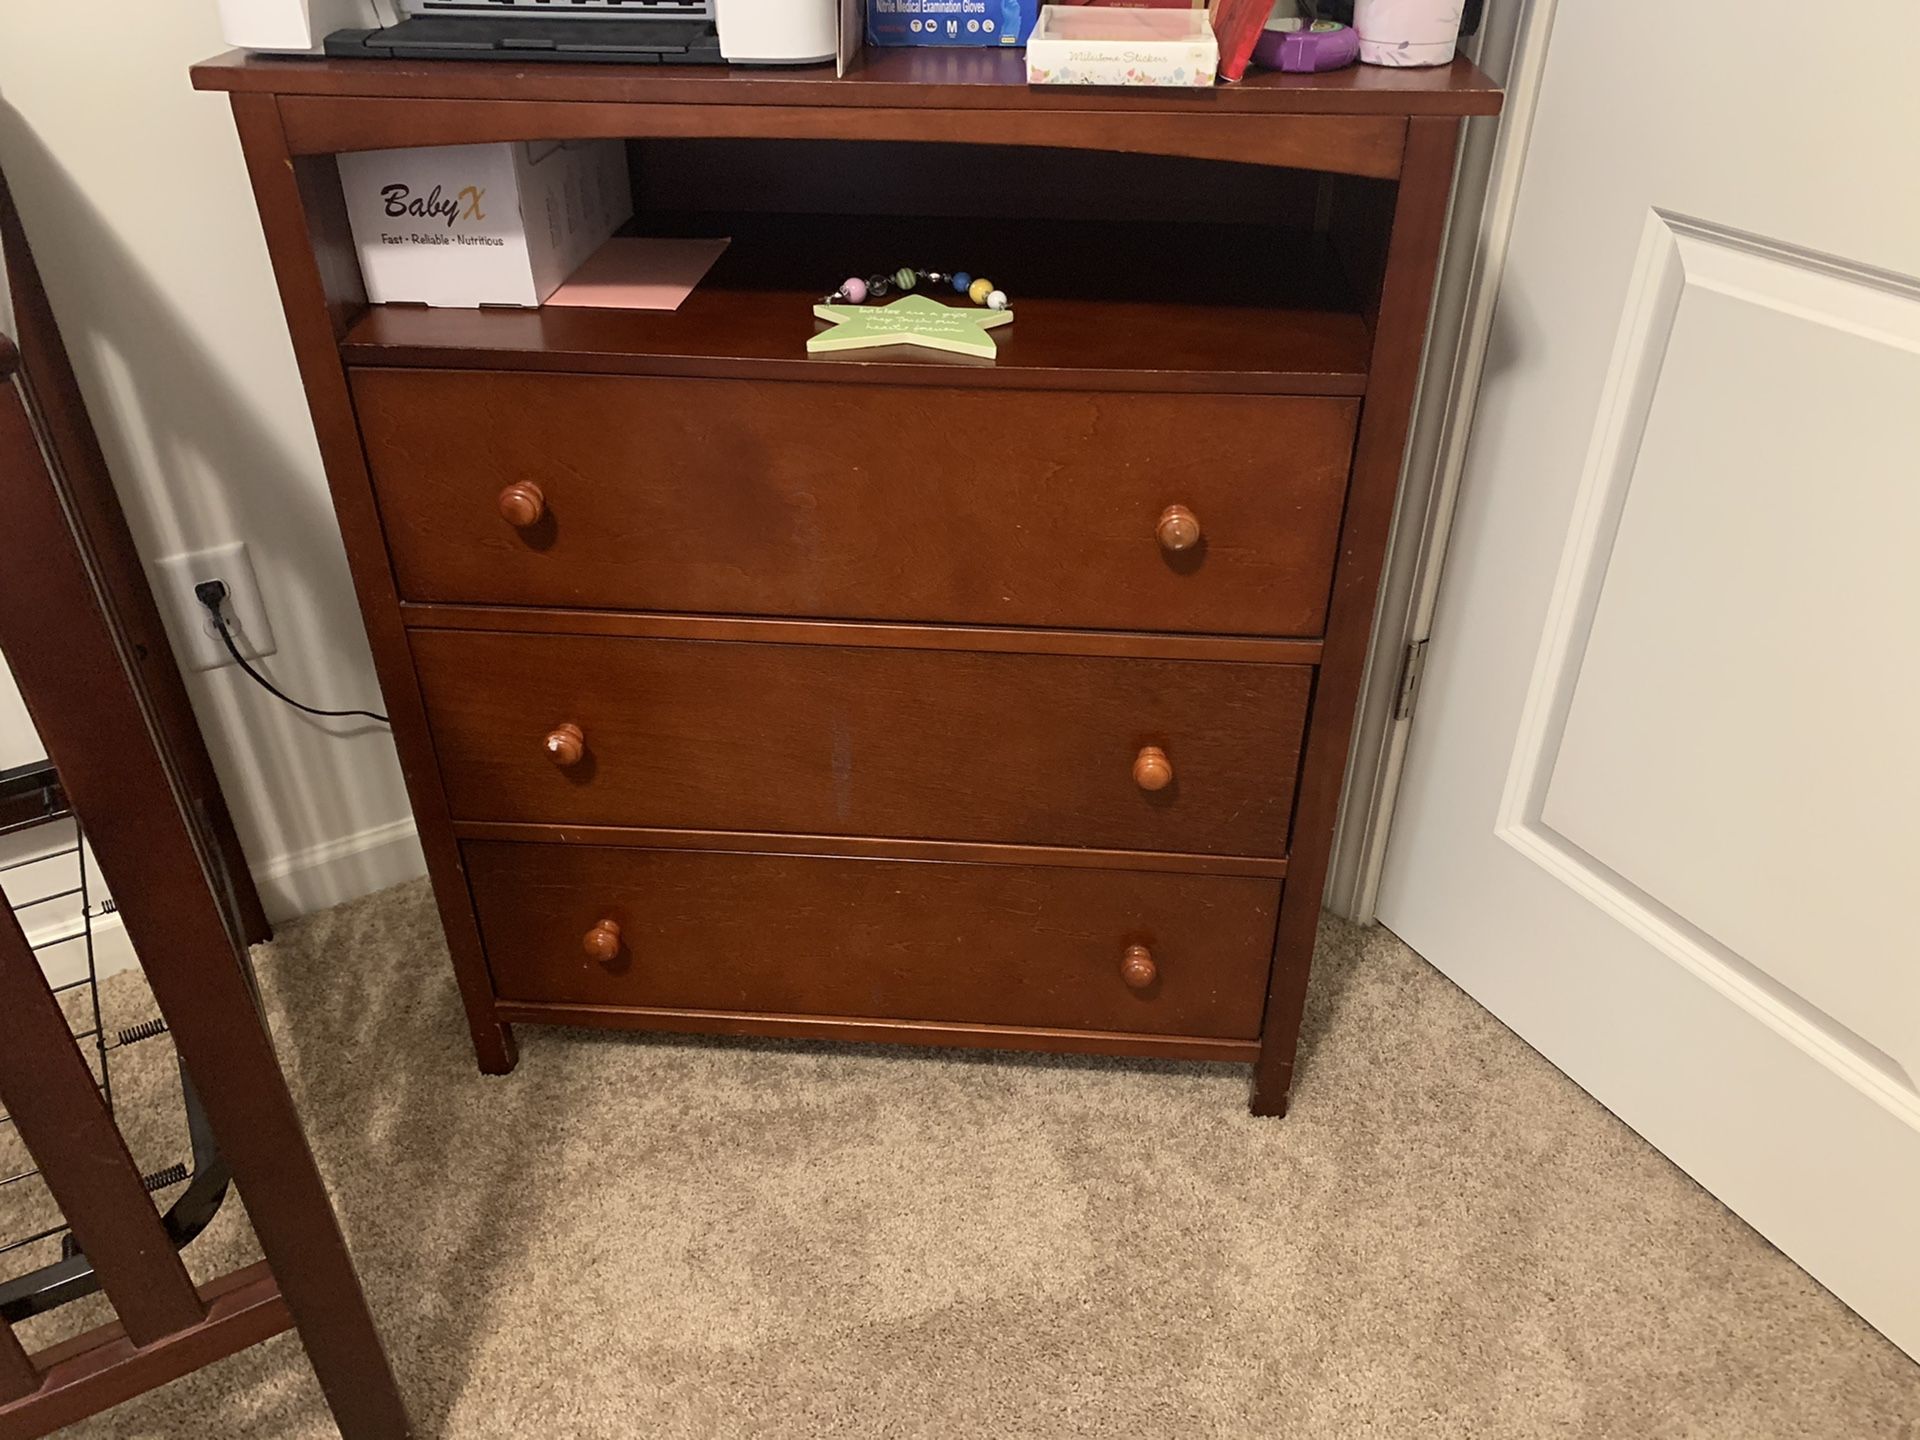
pixel 855 291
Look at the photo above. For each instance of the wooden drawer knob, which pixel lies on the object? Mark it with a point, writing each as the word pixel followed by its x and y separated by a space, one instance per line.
pixel 1179 529
pixel 566 744
pixel 1151 768
pixel 1137 967
pixel 522 505
pixel 602 942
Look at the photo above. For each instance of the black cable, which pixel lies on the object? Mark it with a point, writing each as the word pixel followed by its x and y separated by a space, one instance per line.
pixel 220 623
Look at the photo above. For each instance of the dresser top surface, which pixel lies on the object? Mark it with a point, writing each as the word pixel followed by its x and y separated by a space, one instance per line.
pixel 923 78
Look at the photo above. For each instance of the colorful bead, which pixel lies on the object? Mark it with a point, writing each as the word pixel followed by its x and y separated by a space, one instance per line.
pixel 855 291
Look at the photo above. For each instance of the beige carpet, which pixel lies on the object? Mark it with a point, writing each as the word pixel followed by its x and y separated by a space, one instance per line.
pixel 661 1237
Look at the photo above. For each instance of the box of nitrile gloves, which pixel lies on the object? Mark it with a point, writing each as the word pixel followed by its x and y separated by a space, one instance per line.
pixel 950 22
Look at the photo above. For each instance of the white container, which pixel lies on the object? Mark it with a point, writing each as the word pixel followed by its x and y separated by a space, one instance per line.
pixel 1407 32
pixel 471 225
pixel 779 32
pixel 297 27
pixel 1086 45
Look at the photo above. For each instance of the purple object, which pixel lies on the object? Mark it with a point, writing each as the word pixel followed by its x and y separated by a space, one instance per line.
pixel 1301 46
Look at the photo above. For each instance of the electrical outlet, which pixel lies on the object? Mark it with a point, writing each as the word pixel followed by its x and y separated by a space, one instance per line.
pixel 197 643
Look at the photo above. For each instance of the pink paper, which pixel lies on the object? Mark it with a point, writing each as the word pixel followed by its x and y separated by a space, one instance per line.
pixel 639 273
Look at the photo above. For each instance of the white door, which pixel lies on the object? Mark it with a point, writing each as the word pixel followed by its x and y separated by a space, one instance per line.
pixel 1662 807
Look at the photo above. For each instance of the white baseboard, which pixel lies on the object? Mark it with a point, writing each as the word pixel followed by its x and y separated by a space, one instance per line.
pixel 339 870
pixel 67 964
pixel 294 884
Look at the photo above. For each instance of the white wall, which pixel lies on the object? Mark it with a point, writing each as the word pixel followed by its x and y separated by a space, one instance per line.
pixel 18 744
pixel 137 206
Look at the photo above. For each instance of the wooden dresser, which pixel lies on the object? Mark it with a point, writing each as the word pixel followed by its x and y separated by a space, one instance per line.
pixel 888 695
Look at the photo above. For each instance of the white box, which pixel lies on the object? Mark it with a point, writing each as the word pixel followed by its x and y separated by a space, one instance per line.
pixel 1088 45
pixel 470 225
pixel 298 27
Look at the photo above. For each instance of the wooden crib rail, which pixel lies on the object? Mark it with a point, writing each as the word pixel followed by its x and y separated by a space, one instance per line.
pixel 37 349
pixel 167 1326
pixel 77 630
pixel 103 1367
pixel 50 1093
pixel 18 1378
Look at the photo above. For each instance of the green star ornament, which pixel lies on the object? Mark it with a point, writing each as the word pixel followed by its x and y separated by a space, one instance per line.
pixel 915 320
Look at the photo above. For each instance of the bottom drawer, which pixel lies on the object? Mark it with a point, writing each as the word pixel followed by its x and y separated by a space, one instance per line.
pixel 885 939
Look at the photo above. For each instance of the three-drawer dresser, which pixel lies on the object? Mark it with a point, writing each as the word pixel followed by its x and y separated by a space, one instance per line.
pixel 885 695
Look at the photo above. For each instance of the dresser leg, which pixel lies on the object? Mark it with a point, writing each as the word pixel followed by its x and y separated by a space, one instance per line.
pixel 1270 1093
pixel 493 1046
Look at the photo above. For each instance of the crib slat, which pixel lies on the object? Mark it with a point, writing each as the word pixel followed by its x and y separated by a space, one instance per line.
pixel 46 1087
pixel 17 1377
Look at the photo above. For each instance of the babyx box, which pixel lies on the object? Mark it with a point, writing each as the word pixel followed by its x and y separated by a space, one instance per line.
pixel 469 225
pixel 950 22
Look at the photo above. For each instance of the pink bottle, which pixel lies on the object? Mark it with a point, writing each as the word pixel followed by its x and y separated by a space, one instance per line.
pixel 1407 32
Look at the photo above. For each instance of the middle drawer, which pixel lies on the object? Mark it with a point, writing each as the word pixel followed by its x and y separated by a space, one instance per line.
pixel 871 741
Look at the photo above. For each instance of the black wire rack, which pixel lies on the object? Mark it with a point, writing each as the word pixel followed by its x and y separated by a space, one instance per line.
pixel 31 799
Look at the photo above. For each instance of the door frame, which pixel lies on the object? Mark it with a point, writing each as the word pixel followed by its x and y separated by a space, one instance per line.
pixel 1512 47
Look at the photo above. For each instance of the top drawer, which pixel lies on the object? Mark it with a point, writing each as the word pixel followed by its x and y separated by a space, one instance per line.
pixel 859 502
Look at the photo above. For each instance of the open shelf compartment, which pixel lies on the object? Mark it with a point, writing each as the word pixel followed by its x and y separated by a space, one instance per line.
pixel 1126 272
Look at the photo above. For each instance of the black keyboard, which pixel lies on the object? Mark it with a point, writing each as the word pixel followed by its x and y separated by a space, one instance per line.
pixel 639 40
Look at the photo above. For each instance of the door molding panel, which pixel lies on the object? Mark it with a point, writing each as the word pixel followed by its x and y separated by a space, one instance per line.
pixel 1681 257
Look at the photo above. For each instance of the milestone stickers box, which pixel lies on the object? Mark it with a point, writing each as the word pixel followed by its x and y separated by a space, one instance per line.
pixel 470 225
pixel 1088 45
